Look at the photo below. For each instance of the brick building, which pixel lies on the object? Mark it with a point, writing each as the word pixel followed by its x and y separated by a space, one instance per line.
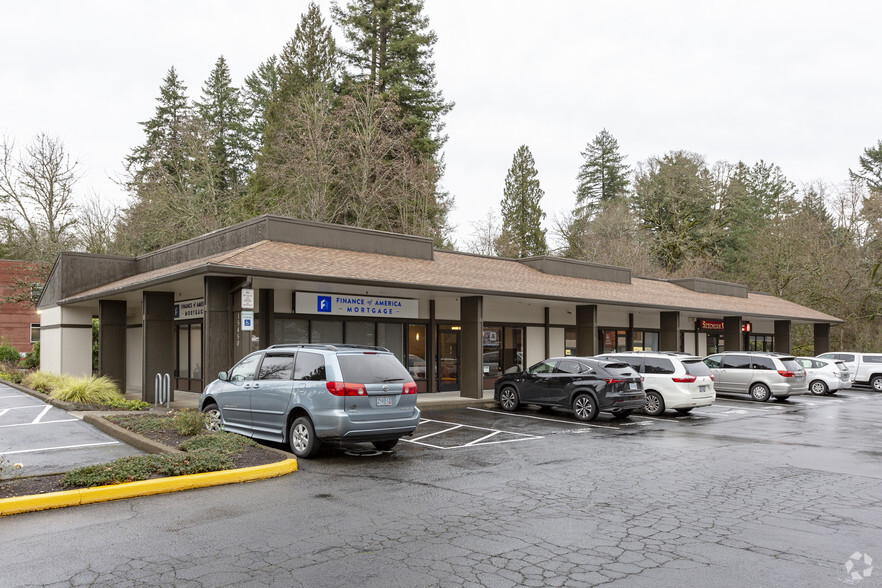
pixel 19 322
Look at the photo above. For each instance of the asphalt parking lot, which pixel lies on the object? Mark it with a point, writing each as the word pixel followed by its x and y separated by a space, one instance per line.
pixel 48 440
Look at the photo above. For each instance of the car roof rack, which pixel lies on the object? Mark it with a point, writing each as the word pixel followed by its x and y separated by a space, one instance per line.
pixel 326 346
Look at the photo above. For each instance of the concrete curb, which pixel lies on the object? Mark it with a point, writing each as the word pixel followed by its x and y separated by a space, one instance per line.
pixel 36 502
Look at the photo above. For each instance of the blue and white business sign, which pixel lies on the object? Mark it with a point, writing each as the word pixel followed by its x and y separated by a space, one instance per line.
pixel 247 320
pixel 189 309
pixel 355 305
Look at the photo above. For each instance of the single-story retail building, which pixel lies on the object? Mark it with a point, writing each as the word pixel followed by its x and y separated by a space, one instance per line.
pixel 456 320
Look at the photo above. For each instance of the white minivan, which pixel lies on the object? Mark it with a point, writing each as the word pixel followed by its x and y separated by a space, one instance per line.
pixel 671 380
pixel 865 368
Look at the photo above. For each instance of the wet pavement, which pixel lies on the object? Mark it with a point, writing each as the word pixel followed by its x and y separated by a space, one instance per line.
pixel 737 494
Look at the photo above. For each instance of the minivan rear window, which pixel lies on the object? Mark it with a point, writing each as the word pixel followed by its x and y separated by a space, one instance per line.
pixel 658 365
pixel 696 368
pixel 372 368
pixel 620 370
pixel 791 364
pixel 741 362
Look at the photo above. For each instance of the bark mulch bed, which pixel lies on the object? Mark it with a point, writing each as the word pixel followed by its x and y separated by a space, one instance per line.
pixel 250 456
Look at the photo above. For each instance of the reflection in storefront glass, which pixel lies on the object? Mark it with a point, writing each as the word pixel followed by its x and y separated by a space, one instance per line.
pixel 416 347
pixel 492 363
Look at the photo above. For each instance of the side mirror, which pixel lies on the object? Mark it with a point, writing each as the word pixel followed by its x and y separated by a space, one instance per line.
pixel 223 376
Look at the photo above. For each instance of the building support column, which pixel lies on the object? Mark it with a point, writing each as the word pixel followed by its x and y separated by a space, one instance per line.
pixel 471 317
pixel 547 332
pixel 217 327
pixel 267 328
pixel 669 338
pixel 158 336
pixel 586 330
pixel 822 338
pixel 732 336
pixel 112 341
pixel 782 337
pixel 431 342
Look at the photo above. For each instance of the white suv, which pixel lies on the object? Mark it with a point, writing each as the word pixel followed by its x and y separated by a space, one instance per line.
pixel 865 368
pixel 671 380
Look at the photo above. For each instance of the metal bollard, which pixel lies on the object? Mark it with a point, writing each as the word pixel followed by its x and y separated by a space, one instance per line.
pixel 162 390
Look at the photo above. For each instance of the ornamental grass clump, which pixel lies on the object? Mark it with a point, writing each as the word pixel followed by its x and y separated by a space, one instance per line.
pixel 88 391
pixel 189 421
pixel 44 381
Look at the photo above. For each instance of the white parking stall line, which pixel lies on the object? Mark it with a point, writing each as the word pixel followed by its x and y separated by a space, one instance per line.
pixel 28 406
pixel 476 441
pixel 4 411
pixel 2 397
pixel 766 407
pixel 40 423
pixel 62 447
pixel 538 418
pixel 41 415
pixel 435 433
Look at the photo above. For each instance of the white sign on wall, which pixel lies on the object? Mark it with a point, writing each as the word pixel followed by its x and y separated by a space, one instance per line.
pixel 190 309
pixel 247 320
pixel 355 305
pixel 247 299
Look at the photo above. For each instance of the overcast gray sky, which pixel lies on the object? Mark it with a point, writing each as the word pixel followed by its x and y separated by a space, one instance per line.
pixel 796 83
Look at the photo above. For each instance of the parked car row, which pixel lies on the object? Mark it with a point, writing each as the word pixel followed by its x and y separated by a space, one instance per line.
pixel 307 395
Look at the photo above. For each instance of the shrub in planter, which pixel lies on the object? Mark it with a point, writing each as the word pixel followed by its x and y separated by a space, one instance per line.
pixel 8 353
pixel 189 421
pixel 44 381
pixel 31 361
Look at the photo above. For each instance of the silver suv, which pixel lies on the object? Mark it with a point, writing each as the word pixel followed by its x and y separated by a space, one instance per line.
pixel 760 374
pixel 307 395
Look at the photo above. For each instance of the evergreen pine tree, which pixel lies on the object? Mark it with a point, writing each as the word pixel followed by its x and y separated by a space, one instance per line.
pixel 602 176
pixel 309 57
pixel 391 50
pixel 522 234
pixel 225 122
pixel 870 171
pixel 260 87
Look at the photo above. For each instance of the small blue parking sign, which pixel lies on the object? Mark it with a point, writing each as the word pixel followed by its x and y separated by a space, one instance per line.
pixel 323 304
pixel 247 320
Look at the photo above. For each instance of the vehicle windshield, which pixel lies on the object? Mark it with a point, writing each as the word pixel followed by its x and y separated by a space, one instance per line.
pixel 696 368
pixel 372 368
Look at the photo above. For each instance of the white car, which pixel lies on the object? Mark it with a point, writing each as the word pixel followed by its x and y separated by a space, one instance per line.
pixel 825 376
pixel 671 380
pixel 865 368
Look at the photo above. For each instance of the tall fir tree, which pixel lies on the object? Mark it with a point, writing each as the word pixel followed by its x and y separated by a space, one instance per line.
pixel 225 121
pixel 258 91
pixel 390 50
pixel 602 177
pixel 870 170
pixel 522 234
pixel 309 57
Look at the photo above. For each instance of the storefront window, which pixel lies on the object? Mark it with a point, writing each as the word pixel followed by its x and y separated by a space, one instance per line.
pixel 492 362
pixel 291 330
pixel 389 335
pixel 761 343
pixel 195 352
pixel 416 347
pixel 360 333
pixel 570 342
pixel 613 340
pixel 649 341
pixel 513 350
pixel 327 331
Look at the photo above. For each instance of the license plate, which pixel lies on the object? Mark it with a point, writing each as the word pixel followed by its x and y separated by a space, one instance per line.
pixel 384 401
pixel 702 389
pixel 633 386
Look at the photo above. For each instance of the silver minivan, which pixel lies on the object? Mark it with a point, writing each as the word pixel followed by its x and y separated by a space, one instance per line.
pixel 760 374
pixel 307 395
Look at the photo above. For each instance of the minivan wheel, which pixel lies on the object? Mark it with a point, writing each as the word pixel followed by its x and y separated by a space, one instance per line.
pixel 760 392
pixel 385 445
pixel 655 404
pixel 213 420
pixel 302 439
pixel 585 408
pixel 876 383
pixel 508 398
pixel 818 388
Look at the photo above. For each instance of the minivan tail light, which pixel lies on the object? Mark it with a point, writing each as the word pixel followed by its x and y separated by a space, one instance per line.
pixel 786 373
pixel 410 388
pixel 345 389
pixel 687 379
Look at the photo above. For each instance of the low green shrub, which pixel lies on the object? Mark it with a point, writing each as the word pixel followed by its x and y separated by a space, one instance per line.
pixel 126 404
pixel 189 421
pixel 8 353
pixel 143 423
pixel 100 391
pixel 14 376
pixel 142 467
pixel 31 360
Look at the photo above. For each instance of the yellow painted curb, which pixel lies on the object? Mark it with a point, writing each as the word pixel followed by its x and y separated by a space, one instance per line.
pixel 34 502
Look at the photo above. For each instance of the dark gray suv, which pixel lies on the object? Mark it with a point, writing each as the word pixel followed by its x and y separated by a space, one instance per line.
pixel 307 395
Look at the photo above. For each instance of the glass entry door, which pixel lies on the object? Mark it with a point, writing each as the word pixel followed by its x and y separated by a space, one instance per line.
pixel 447 359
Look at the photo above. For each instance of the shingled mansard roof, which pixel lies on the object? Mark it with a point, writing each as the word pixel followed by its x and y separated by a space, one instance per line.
pixel 331 253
